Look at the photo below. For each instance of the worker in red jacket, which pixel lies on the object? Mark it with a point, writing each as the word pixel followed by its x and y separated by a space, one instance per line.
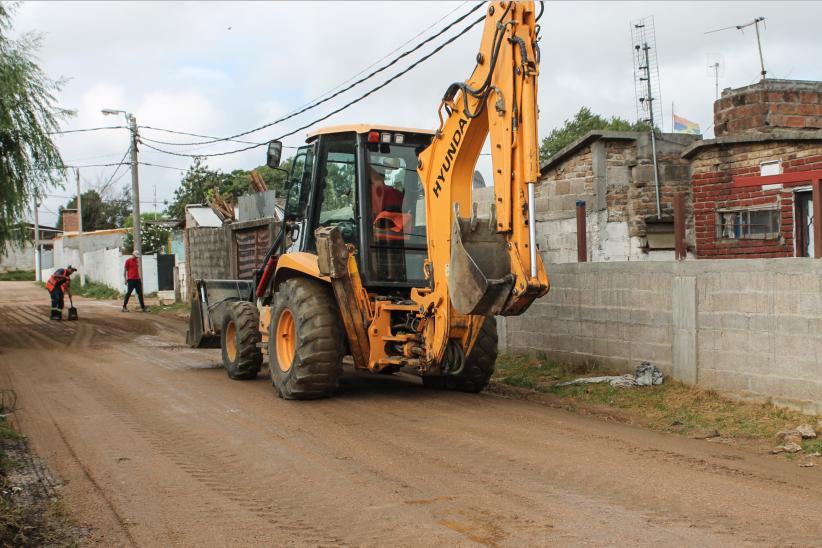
pixel 131 272
pixel 58 284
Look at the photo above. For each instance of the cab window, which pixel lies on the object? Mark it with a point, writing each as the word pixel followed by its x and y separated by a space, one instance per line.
pixel 337 170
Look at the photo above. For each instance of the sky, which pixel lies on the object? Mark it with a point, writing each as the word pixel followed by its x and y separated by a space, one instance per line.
pixel 217 68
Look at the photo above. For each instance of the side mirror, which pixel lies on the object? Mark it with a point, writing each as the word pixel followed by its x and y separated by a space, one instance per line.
pixel 275 150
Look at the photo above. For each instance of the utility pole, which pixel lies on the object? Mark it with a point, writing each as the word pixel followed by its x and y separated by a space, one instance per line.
pixel 135 192
pixel 38 261
pixel 80 230
pixel 715 66
pixel 135 183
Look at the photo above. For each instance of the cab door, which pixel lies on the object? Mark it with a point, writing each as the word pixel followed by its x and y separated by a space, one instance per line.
pixel 298 198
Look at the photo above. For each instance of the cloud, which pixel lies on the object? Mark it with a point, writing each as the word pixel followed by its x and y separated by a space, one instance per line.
pixel 177 65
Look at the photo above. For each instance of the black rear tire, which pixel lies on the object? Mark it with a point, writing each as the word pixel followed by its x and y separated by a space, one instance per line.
pixel 479 364
pixel 242 357
pixel 318 343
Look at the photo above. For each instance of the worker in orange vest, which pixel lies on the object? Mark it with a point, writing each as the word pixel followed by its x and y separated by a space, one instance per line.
pixel 58 284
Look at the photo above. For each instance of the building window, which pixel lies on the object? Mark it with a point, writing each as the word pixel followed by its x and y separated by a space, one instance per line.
pixel 747 224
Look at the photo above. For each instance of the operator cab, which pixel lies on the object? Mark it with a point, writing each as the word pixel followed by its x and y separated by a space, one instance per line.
pixel 363 180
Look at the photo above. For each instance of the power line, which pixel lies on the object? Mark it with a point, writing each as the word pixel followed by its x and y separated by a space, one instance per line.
pixel 214 139
pixel 113 155
pixel 387 55
pixel 164 167
pixel 90 165
pixel 384 57
pixel 65 131
pixel 122 160
pixel 338 110
pixel 347 88
pixel 106 201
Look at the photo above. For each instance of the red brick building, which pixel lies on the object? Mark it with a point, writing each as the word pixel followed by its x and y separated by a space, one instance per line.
pixel 752 186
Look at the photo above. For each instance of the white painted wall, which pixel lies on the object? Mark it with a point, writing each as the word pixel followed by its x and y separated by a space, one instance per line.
pixel 17 258
pixel 105 266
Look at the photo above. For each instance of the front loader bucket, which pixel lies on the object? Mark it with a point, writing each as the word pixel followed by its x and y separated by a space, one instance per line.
pixel 479 276
pixel 209 307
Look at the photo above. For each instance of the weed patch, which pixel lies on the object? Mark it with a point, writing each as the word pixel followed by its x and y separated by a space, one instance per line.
pixel 93 290
pixel 812 446
pixel 671 407
pixel 174 308
pixel 17 276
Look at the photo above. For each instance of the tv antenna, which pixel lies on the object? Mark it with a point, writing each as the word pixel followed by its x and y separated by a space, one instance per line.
pixel 716 68
pixel 741 28
pixel 646 85
pixel 646 71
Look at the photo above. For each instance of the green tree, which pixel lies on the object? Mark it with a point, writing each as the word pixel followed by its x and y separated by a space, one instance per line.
pixel 155 237
pixel 583 122
pixel 29 159
pixel 100 212
pixel 200 182
pixel 194 188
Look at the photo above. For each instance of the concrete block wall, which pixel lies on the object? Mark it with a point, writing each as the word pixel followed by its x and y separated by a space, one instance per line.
pixel 751 327
pixel 208 253
pixel 602 312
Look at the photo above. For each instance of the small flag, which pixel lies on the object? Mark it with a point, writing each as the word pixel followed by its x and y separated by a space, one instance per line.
pixel 681 125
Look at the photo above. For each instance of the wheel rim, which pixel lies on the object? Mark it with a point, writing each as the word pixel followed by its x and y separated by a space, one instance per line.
pixel 286 340
pixel 231 341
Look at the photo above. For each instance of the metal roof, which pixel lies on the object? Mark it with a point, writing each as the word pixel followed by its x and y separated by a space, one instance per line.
pixel 364 128
pixel 204 216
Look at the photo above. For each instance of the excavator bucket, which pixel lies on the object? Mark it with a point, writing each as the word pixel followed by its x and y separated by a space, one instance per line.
pixel 479 276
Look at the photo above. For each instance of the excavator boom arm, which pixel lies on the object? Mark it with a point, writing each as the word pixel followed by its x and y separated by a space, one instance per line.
pixel 483 266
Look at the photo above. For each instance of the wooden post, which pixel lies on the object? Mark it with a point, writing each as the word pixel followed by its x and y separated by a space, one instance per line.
pixel 582 233
pixel 817 223
pixel 679 226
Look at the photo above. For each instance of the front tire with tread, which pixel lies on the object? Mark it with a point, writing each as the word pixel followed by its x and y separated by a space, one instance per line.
pixel 242 357
pixel 318 346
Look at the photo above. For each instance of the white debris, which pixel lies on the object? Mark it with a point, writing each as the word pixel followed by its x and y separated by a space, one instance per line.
pixel 806 431
pixel 647 374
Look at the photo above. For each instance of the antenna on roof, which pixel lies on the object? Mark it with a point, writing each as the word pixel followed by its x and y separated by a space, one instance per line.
pixel 646 72
pixel 716 68
pixel 646 84
pixel 755 23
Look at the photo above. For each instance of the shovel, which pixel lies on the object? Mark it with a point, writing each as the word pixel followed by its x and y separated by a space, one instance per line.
pixel 72 315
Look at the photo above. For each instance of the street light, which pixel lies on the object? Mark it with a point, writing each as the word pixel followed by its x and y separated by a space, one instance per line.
pixel 135 181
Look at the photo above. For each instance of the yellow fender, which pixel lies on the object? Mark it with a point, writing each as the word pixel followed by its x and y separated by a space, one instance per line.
pixel 297 264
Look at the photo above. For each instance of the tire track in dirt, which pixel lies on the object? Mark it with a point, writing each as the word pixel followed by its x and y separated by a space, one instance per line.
pixel 529 465
pixel 221 471
pixel 185 455
pixel 102 493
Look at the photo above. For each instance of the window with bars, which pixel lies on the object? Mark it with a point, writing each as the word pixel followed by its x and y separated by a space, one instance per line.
pixel 747 224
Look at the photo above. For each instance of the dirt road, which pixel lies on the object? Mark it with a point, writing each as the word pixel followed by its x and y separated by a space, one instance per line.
pixel 157 447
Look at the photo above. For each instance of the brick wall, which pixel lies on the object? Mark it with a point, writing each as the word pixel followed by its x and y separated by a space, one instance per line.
pixel 753 327
pixel 613 173
pixel 71 222
pixel 713 169
pixel 767 105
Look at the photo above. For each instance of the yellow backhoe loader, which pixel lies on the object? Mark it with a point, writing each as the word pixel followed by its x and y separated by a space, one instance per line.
pixel 382 256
